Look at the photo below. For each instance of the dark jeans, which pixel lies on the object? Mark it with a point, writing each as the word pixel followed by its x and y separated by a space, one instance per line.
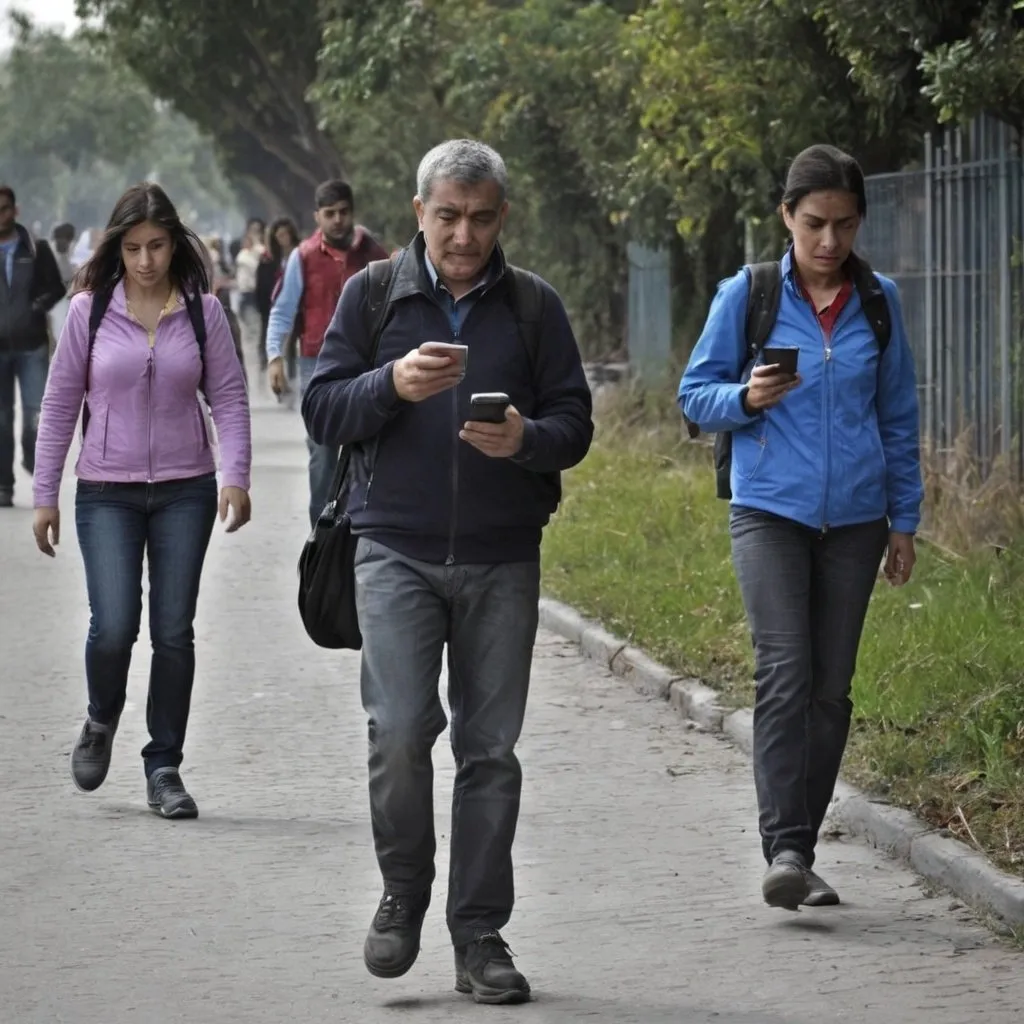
pixel 487 615
pixel 323 458
pixel 171 524
pixel 806 595
pixel 29 369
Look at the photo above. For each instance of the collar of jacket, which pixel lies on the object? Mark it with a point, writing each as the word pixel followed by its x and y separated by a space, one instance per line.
pixel 412 277
pixel 855 268
pixel 25 240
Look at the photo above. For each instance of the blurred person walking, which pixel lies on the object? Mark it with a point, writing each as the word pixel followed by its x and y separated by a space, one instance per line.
pixel 30 286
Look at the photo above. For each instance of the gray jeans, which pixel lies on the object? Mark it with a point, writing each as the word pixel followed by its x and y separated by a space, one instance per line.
pixel 806 595
pixel 487 615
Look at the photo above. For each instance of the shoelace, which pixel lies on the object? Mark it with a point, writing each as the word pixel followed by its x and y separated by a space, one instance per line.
pixel 494 947
pixel 94 738
pixel 393 912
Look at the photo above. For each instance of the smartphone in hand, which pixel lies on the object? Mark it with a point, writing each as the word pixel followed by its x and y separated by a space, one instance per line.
pixel 460 353
pixel 488 406
pixel 784 358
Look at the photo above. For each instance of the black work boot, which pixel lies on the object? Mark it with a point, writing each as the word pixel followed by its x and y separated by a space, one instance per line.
pixel 167 796
pixel 393 941
pixel 485 969
pixel 90 760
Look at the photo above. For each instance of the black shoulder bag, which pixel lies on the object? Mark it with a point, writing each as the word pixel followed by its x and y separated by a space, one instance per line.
pixel 327 578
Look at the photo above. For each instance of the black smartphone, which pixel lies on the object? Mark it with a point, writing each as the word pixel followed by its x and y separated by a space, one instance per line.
pixel 784 358
pixel 488 407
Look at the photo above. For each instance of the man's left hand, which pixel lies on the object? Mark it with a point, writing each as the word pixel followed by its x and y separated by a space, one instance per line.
pixel 496 440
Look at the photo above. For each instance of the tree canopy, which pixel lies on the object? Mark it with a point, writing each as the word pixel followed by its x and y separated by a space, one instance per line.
pixel 76 129
pixel 665 121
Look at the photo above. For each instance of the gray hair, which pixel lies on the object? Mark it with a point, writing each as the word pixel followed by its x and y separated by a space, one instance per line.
pixel 462 160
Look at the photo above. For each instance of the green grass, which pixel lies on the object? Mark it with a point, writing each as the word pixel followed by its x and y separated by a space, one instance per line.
pixel 641 544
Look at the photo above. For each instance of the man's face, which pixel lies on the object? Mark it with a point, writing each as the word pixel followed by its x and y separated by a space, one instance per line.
pixel 335 221
pixel 461 224
pixel 8 215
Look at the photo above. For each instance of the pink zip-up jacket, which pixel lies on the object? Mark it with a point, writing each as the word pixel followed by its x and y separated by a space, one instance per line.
pixel 146 424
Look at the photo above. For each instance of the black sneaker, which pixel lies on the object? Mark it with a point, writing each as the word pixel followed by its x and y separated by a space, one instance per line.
pixel 6 497
pixel 393 941
pixel 167 796
pixel 484 969
pixel 90 760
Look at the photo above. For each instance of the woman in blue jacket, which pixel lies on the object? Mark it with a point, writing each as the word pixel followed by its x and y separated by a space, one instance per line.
pixel 825 479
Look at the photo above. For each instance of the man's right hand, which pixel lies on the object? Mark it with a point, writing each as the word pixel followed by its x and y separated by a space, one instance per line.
pixel 767 386
pixel 417 376
pixel 276 376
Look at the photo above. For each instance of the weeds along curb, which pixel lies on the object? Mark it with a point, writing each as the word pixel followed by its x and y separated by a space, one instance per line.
pixel 933 854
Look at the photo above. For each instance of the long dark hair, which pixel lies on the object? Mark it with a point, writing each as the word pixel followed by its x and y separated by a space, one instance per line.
pixel 273 245
pixel 824 168
pixel 144 202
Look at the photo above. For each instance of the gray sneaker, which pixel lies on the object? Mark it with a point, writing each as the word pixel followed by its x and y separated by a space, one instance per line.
pixel 786 883
pixel 90 760
pixel 821 894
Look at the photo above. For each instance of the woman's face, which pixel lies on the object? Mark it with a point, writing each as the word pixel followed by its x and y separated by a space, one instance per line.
pixel 284 239
pixel 824 227
pixel 146 250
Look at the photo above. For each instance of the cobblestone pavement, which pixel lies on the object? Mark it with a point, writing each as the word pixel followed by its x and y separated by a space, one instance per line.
pixel 637 857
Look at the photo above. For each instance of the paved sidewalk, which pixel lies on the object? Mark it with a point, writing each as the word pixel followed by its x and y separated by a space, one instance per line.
pixel 637 856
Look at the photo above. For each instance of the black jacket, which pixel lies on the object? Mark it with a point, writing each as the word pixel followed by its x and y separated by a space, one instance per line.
pixel 35 288
pixel 429 494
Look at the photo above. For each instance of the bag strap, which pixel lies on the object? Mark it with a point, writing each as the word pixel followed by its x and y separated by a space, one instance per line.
pixel 764 294
pixel 380 283
pixel 873 301
pixel 527 299
pixel 763 298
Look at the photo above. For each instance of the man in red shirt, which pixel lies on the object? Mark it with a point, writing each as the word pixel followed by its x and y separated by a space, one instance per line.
pixel 313 280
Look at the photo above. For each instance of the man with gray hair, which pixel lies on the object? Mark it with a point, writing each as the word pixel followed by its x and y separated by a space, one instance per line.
pixel 460 423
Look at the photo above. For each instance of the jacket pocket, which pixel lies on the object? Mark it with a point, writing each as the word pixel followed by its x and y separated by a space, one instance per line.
pixel 749 447
pixel 106 427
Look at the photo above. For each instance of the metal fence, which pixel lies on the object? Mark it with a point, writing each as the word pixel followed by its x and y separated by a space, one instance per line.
pixel 951 236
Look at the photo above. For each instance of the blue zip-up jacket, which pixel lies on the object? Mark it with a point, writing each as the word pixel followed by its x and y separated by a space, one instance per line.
pixel 840 449
pixel 430 495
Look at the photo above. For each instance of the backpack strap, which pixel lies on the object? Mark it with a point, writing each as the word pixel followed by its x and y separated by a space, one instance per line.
pixel 764 294
pixel 97 311
pixel 763 298
pixel 873 301
pixel 526 296
pixel 380 283
pixel 380 276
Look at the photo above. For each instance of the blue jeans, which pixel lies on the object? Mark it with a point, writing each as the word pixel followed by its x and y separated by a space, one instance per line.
pixel 486 615
pixel 323 458
pixel 806 595
pixel 29 368
pixel 171 524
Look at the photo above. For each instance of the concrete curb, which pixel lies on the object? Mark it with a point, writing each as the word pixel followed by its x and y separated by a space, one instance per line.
pixel 934 855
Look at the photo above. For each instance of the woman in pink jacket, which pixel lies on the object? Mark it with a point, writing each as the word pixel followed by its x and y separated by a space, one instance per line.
pixel 142 339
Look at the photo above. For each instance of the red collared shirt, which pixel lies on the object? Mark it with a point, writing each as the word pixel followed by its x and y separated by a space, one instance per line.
pixel 828 316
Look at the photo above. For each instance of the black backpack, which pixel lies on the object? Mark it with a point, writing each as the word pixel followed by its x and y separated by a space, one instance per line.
pixel 327 590
pixel 763 298
pixel 98 310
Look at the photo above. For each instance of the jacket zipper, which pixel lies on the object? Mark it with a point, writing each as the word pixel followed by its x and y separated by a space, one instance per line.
pixel 150 370
pixel 453 524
